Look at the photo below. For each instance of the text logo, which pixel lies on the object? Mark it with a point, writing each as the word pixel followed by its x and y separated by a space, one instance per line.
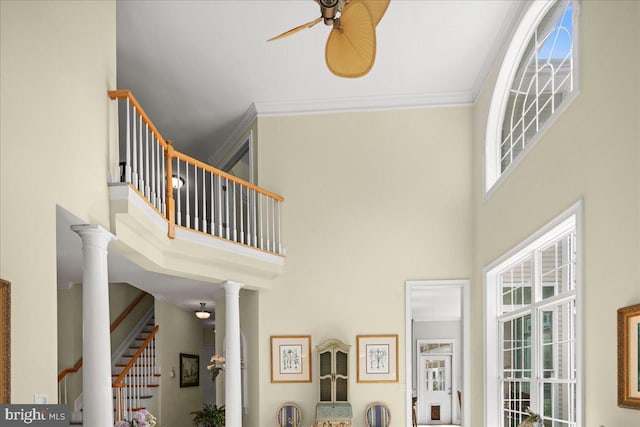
pixel 34 415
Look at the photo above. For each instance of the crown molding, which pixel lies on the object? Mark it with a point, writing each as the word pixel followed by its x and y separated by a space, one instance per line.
pixel 367 103
pixel 245 122
pixel 499 48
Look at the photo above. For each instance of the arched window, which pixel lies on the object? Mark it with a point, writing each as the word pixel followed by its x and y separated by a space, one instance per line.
pixel 535 83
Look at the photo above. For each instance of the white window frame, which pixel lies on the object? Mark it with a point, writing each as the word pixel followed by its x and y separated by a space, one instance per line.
pixel 493 176
pixel 570 219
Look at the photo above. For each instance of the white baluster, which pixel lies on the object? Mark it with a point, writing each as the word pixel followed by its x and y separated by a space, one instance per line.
pixel 178 193
pixel 204 201
pixel 146 162
pixel 268 223
pixel 240 202
pixel 163 183
pixel 212 223
pixel 248 230
pixel 234 201
pixel 127 165
pixel 219 208
pixel 141 158
pixel 254 218
pixel 134 160
pixel 186 196
pixel 226 204
pixel 154 200
pixel 279 228
pixel 273 218
pixel 195 196
pixel 260 197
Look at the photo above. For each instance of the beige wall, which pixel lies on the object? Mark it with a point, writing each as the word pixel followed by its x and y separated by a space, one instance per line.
pixel 57 61
pixel 589 154
pixel 179 332
pixel 371 200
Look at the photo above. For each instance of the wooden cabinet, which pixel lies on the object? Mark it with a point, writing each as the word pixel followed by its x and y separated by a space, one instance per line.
pixel 333 408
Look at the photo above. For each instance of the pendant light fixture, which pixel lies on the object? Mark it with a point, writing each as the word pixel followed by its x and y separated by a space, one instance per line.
pixel 202 313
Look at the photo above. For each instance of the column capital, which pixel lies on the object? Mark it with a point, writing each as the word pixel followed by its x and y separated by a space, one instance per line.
pixel 93 231
pixel 231 287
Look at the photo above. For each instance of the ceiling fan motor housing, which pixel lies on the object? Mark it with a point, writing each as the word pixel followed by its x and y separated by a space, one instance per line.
pixel 329 9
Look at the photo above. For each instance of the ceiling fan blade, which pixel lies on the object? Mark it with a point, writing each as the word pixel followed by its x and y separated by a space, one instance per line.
pixel 377 8
pixel 351 49
pixel 296 29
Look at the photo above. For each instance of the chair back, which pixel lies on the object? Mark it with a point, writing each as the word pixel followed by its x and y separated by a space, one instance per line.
pixel 289 415
pixel 377 415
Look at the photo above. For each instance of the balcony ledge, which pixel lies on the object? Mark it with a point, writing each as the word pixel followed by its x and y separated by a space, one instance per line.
pixel 142 237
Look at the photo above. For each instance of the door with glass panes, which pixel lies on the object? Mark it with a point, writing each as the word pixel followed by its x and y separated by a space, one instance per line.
pixel 434 394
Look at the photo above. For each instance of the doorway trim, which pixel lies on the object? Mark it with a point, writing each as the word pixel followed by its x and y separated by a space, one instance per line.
pixel 465 287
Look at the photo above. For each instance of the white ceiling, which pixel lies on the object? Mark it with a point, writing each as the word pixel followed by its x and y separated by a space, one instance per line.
pixel 431 303
pixel 197 66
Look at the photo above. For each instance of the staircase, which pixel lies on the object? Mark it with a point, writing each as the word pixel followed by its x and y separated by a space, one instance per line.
pixel 135 372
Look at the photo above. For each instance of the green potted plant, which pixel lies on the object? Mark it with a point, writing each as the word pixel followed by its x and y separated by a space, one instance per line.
pixel 209 416
pixel 533 420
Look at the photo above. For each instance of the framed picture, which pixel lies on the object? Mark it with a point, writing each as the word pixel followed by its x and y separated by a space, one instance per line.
pixel 189 370
pixel 5 342
pixel 378 358
pixel 628 359
pixel 291 359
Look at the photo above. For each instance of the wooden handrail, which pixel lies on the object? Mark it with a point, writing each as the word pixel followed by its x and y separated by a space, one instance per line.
pixel 226 175
pixel 118 382
pixel 170 154
pixel 124 94
pixel 114 325
pixel 133 165
pixel 128 310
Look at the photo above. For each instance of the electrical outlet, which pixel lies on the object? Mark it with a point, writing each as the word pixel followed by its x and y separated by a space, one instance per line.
pixel 40 399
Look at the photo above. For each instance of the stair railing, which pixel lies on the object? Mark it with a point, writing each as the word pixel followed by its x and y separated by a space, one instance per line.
pixel 136 378
pixel 62 376
pixel 191 194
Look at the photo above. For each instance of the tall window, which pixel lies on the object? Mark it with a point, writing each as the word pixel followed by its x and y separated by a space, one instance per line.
pixel 532 322
pixel 536 78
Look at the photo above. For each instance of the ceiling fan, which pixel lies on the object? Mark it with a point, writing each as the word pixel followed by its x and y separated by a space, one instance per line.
pixel 351 46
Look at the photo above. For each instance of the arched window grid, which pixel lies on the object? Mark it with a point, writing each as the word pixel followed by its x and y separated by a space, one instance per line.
pixel 537 80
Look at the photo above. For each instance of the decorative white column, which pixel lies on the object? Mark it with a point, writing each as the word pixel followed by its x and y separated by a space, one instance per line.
pixel 232 374
pixel 96 339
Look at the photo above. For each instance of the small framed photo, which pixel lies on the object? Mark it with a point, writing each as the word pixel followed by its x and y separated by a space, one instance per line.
pixel 189 370
pixel 378 358
pixel 291 359
pixel 628 357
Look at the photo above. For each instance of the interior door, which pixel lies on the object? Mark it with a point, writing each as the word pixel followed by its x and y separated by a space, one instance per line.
pixel 434 391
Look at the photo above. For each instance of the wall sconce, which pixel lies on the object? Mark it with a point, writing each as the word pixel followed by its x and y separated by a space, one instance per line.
pixel 177 182
pixel 202 313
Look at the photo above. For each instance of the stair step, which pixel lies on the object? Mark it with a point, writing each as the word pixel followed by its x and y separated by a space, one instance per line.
pixel 123 365
pixel 138 375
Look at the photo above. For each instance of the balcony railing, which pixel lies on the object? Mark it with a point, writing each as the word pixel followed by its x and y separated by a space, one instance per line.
pixel 190 194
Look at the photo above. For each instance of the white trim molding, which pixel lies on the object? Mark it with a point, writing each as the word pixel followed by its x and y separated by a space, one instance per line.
pixel 570 219
pixel 530 20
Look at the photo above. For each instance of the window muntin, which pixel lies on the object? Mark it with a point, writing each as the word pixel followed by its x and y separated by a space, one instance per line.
pixel 536 320
pixel 536 82
pixel 544 78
